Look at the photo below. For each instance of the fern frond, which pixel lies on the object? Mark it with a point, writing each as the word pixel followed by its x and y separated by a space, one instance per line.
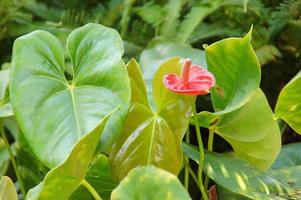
pixel 287 10
pixel 194 17
pixel 126 16
pixel 267 53
pixel 43 11
pixel 206 31
pixel 151 14
pixel 74 17
pixel 172 12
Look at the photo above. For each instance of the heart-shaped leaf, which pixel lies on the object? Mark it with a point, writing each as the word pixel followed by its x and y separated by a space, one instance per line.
pixel 5 106
pixel 252 140
pixel 288 106
pixel 237 72
pixel 239 177
pixel 100 177
pixel 64 179
pixel 7 189
pixel 152 138
pixel 55 113
pixel 150 183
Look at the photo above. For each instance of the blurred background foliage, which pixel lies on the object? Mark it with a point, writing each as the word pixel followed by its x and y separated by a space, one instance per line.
pixel 153 30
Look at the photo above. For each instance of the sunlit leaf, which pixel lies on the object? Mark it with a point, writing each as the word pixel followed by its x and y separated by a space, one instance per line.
pixel 239 177
pixel 64 110
pixel 7 189
pixel 288 106
pixel 237 71
pixel 150 183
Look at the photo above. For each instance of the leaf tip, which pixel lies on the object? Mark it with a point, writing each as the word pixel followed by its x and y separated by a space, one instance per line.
pixel 249 34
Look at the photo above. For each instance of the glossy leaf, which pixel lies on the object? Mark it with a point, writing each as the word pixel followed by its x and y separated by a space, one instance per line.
pixel 237 71
pixel 150 183
pixel 252 140
pixel 100 177
pixel 64 179
pixel 45 102
pixel 288 106
pixel 239 177
pixel 148 137
pixel 5 106
pixel 7 189
pixel 290 155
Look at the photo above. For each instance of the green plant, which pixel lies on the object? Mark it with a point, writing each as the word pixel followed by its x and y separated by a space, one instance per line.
pixel 93 129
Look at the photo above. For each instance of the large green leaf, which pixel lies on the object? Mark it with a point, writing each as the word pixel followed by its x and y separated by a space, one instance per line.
pixel 288 106
pixel 251 130
pixel 152 137
pixel 289 156
pixel 64 179
pixel 239 177
pixel 7 189
pixel 150 183
pixel 55 113
pixel 237 71
pixel 100 177
pixel 151 59
pixel 5 106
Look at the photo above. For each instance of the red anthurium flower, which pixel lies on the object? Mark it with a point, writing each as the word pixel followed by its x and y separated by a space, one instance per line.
pixel 194 80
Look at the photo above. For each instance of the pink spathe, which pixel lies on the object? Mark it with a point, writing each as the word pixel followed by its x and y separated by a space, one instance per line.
pixel 194 80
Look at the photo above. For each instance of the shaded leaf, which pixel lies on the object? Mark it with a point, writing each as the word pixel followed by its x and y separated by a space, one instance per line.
pixel 5 106
pixel 64 179
pixel 289 156
pixel 100 177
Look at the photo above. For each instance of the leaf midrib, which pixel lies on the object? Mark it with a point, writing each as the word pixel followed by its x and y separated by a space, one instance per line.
pixel 152 139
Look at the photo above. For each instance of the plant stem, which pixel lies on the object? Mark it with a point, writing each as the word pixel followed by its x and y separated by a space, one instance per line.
pixel 192 174
pixel 202 154
pixel 12 159
pixel 210 148
pixel 186 179
pixel 90 188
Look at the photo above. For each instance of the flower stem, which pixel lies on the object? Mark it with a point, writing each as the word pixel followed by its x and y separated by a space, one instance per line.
pixel 90 188
pixel 202 154
pixel 210 148
pixel 192 174
pixel 186 175
pixel 12 159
